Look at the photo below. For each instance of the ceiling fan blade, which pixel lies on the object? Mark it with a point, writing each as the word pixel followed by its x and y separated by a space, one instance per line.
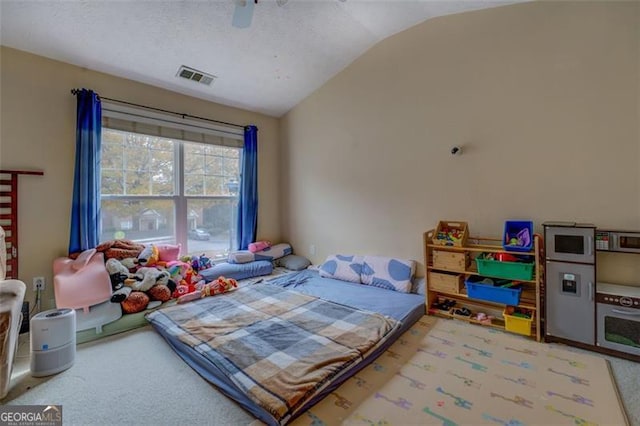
pixel 243 13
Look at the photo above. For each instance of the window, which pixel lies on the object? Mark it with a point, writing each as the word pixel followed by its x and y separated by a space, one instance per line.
pixel 159 189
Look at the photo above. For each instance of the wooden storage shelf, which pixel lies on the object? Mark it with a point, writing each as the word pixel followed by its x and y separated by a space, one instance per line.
pixel 498 323
pixel 529 298
pixel 471 270
pixel 495 323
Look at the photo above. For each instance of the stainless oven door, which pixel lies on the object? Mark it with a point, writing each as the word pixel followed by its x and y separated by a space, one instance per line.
pixel 568 244
pixel 619 328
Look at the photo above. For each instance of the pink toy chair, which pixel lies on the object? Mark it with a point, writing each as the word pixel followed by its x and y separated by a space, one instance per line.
pixel 81 283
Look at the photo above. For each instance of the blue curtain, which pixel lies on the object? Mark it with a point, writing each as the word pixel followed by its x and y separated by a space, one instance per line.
pixel 248 202
pixel 85 208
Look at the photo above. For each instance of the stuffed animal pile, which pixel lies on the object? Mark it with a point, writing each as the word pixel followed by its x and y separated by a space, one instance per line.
pixel 152 284
pixel 143 277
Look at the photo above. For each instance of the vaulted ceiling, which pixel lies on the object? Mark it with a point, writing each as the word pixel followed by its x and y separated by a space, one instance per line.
pixel 290 48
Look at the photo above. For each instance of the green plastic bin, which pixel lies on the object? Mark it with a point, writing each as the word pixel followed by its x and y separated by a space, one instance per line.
pixel 508 270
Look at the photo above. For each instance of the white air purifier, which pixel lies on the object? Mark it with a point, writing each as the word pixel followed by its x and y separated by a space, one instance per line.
pixel 53 341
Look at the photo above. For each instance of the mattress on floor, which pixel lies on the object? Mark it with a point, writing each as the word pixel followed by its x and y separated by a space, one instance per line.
pixel 132 321
pixel 401 309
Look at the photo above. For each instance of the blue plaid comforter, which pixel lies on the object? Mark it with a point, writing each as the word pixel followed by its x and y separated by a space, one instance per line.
pixel 278 346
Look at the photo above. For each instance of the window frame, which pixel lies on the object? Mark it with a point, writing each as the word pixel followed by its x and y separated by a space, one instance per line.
pixel 231 138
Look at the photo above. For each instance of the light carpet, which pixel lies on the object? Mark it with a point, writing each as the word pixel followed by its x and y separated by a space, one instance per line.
pixel 452 373
pixel 439 372
pixel 133 378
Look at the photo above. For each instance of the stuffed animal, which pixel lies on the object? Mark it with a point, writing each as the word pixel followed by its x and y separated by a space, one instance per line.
pixel 192 278
pixel 130 263
pixel 149 256
pixel 219 286
pixel 117 271
pixel 121 294
pixel 118 274
pixel 198 263
pixel 183 274
pixel 178 269
pixel 136 302
pixel 120 249
pixel 156 283
pixel 168 252
pixel 181 290
pixel 145 278
pixel 159 292
pixel 259 246
pixel 203 262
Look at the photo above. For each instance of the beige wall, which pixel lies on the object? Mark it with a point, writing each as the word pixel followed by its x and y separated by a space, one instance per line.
pixel 38 132
pixel 543 97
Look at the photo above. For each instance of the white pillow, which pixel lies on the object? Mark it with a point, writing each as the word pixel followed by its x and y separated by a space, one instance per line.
pixel 342 267
pixel 388 273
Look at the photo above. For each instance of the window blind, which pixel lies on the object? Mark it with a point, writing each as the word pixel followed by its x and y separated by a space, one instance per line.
pixel 137 120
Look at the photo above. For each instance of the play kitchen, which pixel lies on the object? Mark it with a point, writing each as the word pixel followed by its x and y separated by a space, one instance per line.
pixel 618 318
pixel 578 310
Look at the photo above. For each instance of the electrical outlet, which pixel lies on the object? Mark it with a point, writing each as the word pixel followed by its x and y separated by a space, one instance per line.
pixel 312 249
pixel 38 283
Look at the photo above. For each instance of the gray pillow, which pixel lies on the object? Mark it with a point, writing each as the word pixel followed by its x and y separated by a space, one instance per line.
pixel 293 262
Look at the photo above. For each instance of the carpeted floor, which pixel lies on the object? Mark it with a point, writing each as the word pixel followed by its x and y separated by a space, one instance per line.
pixel 452 373
pixel 439 372
pixel 132 378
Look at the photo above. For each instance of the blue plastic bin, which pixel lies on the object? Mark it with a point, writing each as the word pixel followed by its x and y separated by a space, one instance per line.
pixel 511 229
pixel 475 290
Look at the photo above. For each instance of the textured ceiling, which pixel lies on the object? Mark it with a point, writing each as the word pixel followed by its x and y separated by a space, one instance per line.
pixel 287 52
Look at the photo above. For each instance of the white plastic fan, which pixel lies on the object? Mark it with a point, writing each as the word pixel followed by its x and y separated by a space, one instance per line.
pixel 243 13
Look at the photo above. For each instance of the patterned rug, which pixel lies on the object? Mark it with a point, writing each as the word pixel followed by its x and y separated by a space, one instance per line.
pixel 447 372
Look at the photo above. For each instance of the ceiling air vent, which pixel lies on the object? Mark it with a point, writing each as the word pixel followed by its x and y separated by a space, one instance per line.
pixel 195 75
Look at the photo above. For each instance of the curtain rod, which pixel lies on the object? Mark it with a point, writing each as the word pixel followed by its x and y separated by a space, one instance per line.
pixel 76 91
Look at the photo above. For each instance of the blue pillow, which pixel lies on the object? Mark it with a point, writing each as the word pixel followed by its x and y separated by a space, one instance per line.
pixel 237 271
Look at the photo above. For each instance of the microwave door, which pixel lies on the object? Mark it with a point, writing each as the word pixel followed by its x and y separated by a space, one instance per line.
pixel 570 244
pixel 629 242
